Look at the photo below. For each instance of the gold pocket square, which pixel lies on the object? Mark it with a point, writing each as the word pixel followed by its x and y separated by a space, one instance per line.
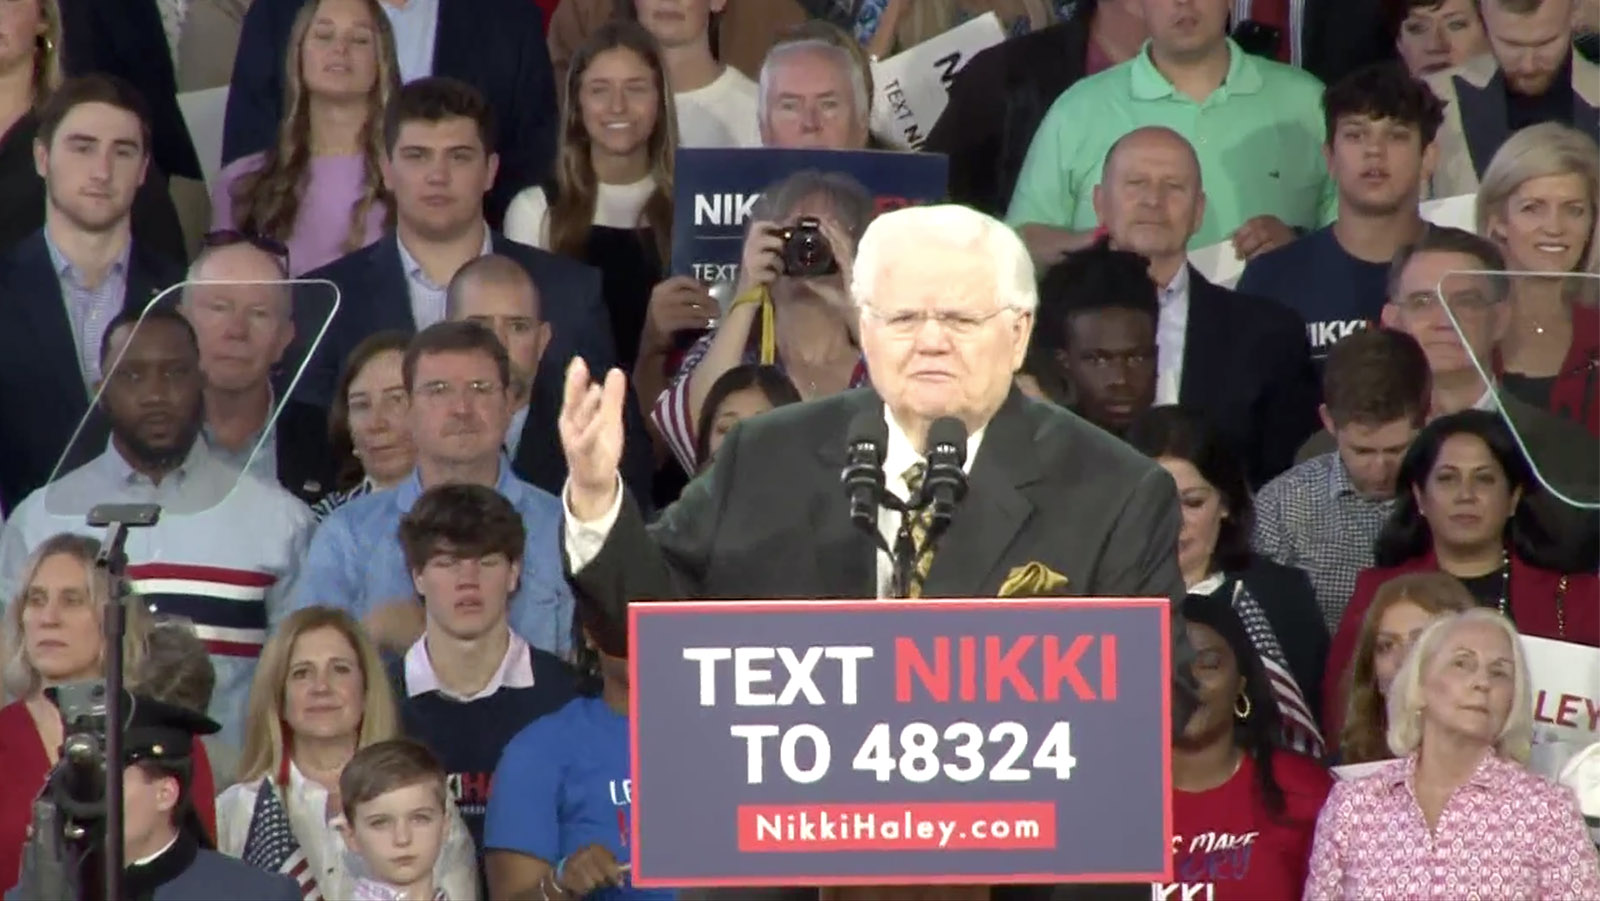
pixel 1032 580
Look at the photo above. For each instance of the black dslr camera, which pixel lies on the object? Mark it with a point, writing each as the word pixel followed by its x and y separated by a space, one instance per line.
pixel 806 252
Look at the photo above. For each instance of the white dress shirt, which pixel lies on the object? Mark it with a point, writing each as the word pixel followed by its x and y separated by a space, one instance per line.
pixel 1170 328
pixel 583 540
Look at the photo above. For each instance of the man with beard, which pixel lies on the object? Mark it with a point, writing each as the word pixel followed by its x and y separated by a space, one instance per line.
pixel 1380 149
pixel 226 549
pixel 1533 73
pixel 62 286
pixel 1241 362
pixel 245 323
pixel 458 377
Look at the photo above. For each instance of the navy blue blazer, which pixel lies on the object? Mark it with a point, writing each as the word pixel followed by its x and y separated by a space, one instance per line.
pixel 497 46
pixel 373 297
pixel 42 395
pixel 1247 369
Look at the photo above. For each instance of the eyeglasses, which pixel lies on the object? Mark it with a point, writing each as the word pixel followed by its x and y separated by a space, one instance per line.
pixel 228 237
pixel 905 323
pixel 1467 302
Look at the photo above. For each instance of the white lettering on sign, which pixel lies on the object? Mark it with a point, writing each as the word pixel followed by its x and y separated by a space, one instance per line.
pixel 752 669
pixel 723 209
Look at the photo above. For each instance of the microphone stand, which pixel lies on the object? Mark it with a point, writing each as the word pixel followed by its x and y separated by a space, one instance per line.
pixel 112 562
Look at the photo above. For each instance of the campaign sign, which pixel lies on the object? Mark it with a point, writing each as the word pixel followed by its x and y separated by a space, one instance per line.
pixel 717 187
pixel 913 87
pixel 900 742
pixel 1566 701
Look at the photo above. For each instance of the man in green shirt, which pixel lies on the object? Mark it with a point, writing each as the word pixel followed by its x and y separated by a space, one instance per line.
pixel 1256 126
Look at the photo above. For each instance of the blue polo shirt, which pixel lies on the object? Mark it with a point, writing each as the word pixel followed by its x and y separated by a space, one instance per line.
pixel 1259 138
pixel 356 563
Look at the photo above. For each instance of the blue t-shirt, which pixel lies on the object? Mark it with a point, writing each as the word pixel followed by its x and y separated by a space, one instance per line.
pixel 1334 292
pixel 564 783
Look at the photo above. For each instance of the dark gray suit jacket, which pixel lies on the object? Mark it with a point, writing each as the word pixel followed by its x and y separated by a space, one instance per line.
pixel 209 877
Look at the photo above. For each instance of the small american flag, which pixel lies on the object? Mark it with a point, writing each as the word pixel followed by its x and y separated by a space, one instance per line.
pixel 270 844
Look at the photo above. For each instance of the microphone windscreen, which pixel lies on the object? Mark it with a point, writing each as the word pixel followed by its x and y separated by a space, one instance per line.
pixel 869 427
pixel 949 431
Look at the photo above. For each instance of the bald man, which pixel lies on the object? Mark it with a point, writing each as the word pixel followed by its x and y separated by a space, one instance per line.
pixel 239 301
pixel 1243 362
pixel 497 292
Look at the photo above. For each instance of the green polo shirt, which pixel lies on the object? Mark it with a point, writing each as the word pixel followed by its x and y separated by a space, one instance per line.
pixel 1259 138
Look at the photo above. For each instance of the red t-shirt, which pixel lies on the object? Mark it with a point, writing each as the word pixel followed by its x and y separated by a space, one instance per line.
pixel 1225 845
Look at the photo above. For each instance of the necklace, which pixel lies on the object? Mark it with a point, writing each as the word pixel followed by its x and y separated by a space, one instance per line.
pixel 1505 584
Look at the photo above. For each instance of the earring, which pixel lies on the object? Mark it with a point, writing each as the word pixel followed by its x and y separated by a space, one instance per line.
pixel 1245 713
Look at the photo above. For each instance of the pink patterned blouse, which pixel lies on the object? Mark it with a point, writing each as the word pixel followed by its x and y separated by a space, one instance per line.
pixel 1506 833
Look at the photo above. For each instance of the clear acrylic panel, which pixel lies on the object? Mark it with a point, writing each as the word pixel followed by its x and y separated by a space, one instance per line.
pixel 164 420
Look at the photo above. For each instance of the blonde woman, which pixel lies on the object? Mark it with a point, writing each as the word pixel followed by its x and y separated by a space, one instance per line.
pixel 1457 813
pixel 56 629
pixel 1536 202
pixel 320 694
pixel 319 191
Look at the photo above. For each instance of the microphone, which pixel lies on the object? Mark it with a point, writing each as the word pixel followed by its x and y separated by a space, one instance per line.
pixel 945 482
pixel 863 469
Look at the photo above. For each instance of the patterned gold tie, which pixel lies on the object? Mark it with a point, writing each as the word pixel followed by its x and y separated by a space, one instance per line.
pixel 918 521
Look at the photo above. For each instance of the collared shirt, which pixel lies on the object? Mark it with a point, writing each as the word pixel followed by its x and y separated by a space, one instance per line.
pixel 427 296
pixel 416 26
pixel 1312 518
pixel 264 464
pixel 373 890
pixel 1259 138
pixel 90 309
pixel 515 671
pixel 224 554
pixel 356 563
pixel 519 421
pixel 1171 326
pixel 1504 833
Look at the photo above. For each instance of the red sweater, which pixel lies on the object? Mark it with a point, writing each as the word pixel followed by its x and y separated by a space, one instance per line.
pixel 23 761
pixel 1533 609
pixel 1227 847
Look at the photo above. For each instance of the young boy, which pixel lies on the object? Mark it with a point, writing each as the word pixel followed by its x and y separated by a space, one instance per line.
pixel 393 794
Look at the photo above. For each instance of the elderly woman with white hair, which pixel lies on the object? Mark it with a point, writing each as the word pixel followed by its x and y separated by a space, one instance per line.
pixel 1536 202
pixel 1457 815
pixel 55 634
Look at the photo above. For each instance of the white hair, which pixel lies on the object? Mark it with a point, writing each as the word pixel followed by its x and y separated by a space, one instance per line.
pixel 925 231
pixel 1515 741
pixel 840 57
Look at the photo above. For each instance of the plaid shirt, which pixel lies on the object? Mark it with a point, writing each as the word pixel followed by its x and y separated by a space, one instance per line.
pixel 1312 518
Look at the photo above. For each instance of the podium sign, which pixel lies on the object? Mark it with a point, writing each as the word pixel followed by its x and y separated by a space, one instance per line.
pixel 900 742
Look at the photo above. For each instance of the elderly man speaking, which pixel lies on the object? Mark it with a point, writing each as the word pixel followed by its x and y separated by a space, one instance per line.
pixel 946 299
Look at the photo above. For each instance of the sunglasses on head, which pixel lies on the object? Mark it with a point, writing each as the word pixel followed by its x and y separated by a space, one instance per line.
pixel 228 237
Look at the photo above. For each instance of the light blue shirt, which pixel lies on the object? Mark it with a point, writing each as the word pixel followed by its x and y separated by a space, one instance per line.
pixel 90 310
pixel 356 562
pixel 427 296
pixel 415 26
pixel 519 421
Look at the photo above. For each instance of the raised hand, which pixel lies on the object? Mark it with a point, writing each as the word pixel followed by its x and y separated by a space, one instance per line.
pixel 591 437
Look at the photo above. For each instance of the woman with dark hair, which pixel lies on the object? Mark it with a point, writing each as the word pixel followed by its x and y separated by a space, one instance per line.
pixel 738 394
pixel 1275 602
pixel 1243 810
pixel 559 816
pixel 367 425
pixel 1462 506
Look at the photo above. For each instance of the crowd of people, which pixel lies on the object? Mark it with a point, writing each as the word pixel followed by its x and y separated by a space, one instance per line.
pixel 372 653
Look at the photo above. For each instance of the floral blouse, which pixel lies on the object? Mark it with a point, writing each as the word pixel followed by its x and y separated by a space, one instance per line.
pixel 1505 834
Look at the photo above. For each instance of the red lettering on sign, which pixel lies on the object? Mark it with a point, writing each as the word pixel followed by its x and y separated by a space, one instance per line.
pixel 1030 666
pixel 999 668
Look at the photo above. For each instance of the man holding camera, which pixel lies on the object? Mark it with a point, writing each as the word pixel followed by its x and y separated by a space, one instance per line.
pixel 791 309
pixel 166 852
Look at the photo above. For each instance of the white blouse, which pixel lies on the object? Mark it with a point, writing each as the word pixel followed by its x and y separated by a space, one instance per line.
pixel 615 206
pixel 336 866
